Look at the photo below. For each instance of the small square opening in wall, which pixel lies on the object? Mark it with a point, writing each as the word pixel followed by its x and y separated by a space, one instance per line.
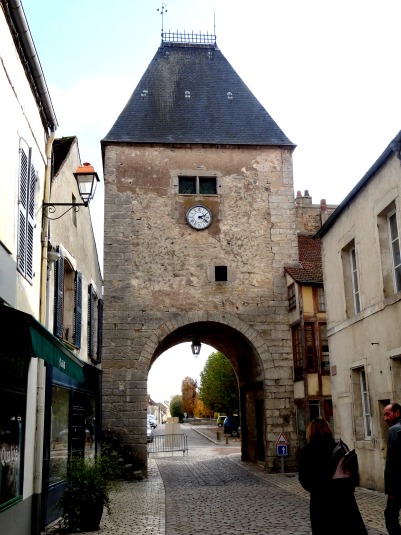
pixel 220 273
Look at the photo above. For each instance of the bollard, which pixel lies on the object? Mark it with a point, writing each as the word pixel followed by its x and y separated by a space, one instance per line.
pixel 226 439
pixel 218 436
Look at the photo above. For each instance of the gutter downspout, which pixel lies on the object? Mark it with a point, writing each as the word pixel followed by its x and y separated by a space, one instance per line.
pixel 37 513
pixel 32 59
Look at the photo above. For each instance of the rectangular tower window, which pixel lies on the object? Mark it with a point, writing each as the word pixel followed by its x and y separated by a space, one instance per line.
pixel 220 273
pixel 197 185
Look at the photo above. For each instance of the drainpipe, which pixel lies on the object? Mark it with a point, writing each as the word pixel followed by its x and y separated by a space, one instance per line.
pixel 41 370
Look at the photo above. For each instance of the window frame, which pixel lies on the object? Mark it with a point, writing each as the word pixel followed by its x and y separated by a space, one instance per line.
pixel 366 412
pixel 355 280
pixel 198 180
pixel 297 350
pixel 392 242
pixel 292 297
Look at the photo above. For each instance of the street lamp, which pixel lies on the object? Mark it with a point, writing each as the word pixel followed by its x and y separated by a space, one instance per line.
pixel 87 180
pixel 196 347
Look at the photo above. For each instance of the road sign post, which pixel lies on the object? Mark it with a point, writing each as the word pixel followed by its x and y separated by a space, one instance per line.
pixel 282 449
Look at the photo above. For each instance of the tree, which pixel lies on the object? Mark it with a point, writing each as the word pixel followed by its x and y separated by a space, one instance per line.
pixel 189 395
pixel 218 385
pixel 200 410
pixel 176 407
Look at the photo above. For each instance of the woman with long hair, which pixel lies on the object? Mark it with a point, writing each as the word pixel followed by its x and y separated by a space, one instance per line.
pixel 333 508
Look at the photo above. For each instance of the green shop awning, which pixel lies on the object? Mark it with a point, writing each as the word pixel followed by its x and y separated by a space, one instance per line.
pixel 32 337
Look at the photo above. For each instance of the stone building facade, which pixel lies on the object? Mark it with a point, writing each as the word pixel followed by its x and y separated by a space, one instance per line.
pixel 362 276
pixel 200 220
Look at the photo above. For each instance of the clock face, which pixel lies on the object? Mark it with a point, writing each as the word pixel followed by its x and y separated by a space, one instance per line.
pixel 199 217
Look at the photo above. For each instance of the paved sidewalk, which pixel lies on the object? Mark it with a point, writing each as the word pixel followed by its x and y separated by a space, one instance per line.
pixel 215 493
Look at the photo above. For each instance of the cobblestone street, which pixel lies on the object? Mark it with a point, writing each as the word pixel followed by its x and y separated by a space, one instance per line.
pixel 211 492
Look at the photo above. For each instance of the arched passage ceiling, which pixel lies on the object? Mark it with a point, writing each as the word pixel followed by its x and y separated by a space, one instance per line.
pixel 232 343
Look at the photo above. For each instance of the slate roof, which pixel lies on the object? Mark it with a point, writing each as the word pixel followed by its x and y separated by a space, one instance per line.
pixel 160 110
pixel 61 148
pixel 310 269
pixel 393 148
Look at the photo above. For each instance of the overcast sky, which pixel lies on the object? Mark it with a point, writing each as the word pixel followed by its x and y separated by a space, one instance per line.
pixel 327 71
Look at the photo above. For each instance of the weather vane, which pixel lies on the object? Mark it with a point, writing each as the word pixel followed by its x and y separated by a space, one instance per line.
pixel 162 11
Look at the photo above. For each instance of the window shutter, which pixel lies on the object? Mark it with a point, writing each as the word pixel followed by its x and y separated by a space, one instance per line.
pixel 30 223
pixel 77 309
pixel 58 296
pixel 99 330
pixel 22 209
pixel 91 322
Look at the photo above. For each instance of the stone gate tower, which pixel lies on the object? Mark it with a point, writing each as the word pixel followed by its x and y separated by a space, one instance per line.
pixel 199 222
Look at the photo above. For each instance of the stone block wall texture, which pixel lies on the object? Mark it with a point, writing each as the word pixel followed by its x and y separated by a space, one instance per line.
pixel 160 284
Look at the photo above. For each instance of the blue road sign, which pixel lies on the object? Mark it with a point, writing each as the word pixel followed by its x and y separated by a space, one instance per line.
pixel 282 450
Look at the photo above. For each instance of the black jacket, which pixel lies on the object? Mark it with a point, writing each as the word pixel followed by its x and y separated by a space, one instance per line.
pixel 392 471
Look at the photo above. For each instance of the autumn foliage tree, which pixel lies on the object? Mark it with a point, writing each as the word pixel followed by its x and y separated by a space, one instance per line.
pixel 218 385
pixel 189 395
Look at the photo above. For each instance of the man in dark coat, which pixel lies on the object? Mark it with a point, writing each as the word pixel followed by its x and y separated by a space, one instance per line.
pixel 392 471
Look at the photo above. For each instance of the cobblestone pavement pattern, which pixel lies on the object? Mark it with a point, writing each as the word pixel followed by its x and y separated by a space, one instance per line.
pixel 211 492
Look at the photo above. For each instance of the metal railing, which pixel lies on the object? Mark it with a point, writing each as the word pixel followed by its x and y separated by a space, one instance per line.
pixel 189 37
pixel 168 443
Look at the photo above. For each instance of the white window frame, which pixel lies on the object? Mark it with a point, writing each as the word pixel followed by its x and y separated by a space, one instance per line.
pixel 354 280
pixel 395 250
pixel 367 418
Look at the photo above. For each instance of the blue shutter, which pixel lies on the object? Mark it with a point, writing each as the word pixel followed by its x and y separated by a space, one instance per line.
pixel 30 226
pixel 77 309
pixel 22 208
pixel 99 330
pixel 91 322
pixel 26 212
pixel 58 296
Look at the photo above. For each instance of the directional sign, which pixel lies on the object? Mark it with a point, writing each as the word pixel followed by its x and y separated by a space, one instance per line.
pixel 282 439
pixel 282 450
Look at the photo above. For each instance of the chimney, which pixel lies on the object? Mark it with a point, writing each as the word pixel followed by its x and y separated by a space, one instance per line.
pixel 323 211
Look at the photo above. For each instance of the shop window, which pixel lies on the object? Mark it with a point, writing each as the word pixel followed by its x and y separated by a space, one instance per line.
pixel 26 212
pixel 292 298
pixel 12 420
pixel 197 185
pixel 60 434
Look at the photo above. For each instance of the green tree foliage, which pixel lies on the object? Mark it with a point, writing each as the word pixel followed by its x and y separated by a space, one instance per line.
pixel 176 407
pixel 189 395
pixel 218 385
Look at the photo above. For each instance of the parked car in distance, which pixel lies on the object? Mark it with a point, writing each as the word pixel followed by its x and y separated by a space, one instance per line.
pixel 220 420
pixel 149 432
pixel 152 421
pixel 231 426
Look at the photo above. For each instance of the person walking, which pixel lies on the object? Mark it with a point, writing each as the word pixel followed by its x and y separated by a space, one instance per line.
pixel 392 471
pixel 333 508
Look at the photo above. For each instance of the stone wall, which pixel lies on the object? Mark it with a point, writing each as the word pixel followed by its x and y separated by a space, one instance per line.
pixel 160 286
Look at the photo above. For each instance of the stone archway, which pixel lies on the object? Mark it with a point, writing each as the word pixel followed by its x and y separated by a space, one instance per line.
pixel 125 409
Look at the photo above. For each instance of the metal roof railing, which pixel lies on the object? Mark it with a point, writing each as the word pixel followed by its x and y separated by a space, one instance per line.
pixel 189 37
